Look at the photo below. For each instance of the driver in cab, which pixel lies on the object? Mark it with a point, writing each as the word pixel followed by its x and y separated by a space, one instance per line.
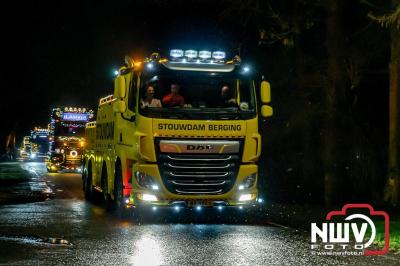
pixel 174 98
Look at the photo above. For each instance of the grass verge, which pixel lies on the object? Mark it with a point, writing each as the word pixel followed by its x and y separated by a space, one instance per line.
pixel 12 172
pixel 394 232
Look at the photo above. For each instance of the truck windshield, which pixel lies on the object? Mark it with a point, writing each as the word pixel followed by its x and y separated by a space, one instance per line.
pixel 193 95
pixel 69 130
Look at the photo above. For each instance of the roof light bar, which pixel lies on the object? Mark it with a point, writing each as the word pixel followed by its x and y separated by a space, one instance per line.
pixel 204 54
pixel 191 54
pixel 176 53
pixel 218 55
pixel 200 57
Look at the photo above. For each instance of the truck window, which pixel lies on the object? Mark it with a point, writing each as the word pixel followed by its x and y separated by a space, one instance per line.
pixel 132 92
pixel 201 93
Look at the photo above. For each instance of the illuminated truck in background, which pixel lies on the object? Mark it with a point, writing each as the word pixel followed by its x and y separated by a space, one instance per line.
pixel 39 142
pixel 66 138
pixel 195 155
pixel 36 146
pixel 25 150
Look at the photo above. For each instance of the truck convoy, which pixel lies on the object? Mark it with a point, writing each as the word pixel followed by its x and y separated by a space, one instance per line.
pixel 66 138
pixel 25 150
pixel 39 142
pixel 170 135
pixel 35 146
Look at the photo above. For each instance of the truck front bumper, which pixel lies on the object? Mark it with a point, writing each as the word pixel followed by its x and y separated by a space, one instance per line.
pixel 158 195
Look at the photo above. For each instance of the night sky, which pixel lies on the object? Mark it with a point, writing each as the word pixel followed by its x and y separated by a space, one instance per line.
pixel 65 53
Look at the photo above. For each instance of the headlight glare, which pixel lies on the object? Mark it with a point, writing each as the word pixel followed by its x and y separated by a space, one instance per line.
pixel 248 181
pixel 146 181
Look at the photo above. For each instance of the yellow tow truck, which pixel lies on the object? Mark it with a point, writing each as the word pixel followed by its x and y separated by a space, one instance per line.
pixel 197 151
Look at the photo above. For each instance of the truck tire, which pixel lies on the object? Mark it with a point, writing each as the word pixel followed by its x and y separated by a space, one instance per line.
pixel 118 188
pixel 105 199
pixel 88 183
pixel 84 176
pixel 119 204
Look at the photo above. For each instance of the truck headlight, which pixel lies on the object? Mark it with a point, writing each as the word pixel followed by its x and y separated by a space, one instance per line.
pixel 149 197
pixel 246 197
pixel 248 181
pixel 146 181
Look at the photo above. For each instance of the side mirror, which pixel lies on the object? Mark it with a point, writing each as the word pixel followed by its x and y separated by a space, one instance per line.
pixel 119 106
pixel 265 92
pixel 119 87
pixel 129 61
pixel 266 111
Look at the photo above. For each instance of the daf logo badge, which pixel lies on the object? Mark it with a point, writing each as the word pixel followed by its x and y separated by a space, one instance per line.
pixel 199 147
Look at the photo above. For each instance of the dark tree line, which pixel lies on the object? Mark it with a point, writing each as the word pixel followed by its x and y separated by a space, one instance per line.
pixel 333 66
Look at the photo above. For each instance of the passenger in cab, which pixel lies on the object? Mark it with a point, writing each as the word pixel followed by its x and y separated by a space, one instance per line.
pixel 149 100
pixel 226 97
pixel 174 98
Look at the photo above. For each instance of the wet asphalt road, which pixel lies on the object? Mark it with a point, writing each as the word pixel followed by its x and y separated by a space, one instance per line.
pixel 101 238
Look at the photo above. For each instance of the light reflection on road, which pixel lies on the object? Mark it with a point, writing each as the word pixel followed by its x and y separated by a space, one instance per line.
pixel 101 238
pixel 147 251
pixel 36 167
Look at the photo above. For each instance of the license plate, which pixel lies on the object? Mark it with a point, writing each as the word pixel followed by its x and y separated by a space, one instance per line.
pixel 192 203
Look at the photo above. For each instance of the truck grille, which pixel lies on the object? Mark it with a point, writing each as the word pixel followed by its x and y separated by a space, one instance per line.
pixel 72 160
pixel 198 174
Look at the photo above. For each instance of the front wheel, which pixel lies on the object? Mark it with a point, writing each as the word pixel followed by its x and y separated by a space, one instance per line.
pixel 119 203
